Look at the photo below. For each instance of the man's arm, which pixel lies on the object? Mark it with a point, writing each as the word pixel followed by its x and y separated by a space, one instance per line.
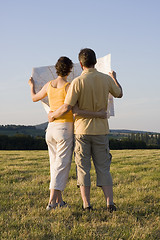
pixel 76 111
pixel 113 76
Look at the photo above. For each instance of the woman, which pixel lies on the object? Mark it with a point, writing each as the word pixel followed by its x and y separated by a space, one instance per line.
pixel 59 135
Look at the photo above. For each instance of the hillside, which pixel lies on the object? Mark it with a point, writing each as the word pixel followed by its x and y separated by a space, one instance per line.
pixel 39 130
pixel 20 137
pixel 11 130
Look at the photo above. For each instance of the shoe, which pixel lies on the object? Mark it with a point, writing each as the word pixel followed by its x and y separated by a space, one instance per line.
pixel 63 205
pixel 87 209
pixel 111 208
pixel 51 206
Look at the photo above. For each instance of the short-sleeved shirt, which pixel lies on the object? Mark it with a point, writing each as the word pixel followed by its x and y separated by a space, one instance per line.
pixel 91 91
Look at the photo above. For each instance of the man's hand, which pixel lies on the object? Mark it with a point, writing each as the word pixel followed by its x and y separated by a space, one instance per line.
pixel 50 117
pixel 112 74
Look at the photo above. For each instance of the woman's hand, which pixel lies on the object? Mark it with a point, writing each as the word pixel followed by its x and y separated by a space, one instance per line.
pixel 31 82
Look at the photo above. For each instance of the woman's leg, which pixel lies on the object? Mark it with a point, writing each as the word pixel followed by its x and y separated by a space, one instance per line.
pixel 64 149
pixel 60 146
pixel 55 196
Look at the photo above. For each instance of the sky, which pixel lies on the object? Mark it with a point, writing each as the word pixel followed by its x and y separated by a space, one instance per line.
pixel 36 33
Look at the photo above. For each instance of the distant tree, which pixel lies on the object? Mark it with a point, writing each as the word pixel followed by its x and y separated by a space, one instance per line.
pixel 138 137
pixel 126 144
pixel 22 142
pixel 114 144
pixel 132 136
pixel 146 138
pixel 158 139
pixel 3 142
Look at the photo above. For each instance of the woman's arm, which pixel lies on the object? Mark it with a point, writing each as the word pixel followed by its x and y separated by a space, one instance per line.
pixel 41 94
pixel 88 114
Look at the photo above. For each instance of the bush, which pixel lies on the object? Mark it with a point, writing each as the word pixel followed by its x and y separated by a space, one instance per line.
pixel 126 144
pixel 22 142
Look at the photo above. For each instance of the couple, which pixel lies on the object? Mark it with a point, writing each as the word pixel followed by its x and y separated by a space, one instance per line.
pixel 86 99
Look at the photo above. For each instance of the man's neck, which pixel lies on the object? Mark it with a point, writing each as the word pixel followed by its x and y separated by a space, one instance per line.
pixel 86 68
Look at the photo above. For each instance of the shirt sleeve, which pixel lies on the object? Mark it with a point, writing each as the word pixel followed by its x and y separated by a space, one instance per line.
pixel 73 93
pixel 114 89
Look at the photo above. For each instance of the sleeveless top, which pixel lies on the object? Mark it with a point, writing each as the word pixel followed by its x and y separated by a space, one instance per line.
pixel 56 98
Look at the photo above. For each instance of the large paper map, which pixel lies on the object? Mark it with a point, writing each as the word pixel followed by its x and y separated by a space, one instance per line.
pixel 42 75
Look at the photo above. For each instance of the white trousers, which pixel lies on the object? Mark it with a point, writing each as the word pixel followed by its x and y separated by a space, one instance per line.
pixel 59 138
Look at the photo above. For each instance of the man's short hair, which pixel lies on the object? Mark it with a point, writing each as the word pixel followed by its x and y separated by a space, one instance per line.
pixel 87 57
pixel 63 66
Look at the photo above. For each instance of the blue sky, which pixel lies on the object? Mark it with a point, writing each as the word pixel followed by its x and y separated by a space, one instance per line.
pixel 36 33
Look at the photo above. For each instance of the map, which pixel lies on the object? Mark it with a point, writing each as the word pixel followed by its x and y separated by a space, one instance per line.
pixel 42 75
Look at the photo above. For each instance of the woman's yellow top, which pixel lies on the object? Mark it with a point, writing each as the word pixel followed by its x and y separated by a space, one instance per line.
pixel 56 98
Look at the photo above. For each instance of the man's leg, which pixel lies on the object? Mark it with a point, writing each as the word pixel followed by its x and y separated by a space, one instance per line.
pixel 85 194
pixel 108 193
pixel 83 162
pixel 102 160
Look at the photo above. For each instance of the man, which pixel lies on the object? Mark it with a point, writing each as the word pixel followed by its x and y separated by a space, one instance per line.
pixel 90 90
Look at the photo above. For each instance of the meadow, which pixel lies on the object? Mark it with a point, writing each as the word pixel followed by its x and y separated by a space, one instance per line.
pixel 25 193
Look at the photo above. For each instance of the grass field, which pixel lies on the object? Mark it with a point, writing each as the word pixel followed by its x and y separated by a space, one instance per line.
pixel 24 196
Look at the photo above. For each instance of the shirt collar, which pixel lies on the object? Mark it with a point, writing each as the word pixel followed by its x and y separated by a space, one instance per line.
pixel 88 70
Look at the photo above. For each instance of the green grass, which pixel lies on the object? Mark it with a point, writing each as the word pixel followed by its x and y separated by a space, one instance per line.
pixel 25 193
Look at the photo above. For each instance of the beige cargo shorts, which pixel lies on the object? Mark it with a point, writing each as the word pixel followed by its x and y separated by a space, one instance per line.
pixel 97 148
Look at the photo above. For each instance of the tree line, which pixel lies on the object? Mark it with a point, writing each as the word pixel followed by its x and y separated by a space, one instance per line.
pixel 22 142
pixel 137 141
pixel 11 130
pixel 132 141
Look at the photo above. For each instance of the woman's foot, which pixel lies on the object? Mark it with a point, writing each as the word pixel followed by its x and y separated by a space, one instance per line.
pixel 63 204
pixel 51 206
